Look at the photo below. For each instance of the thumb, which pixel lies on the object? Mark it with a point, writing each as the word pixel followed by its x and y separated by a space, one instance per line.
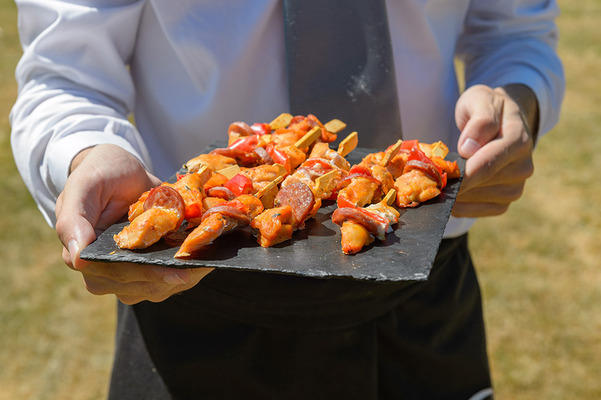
pixel 478 116
pixel 74 230
pixel 78 241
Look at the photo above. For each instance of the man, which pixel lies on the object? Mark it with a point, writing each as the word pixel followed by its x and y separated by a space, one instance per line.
pixel 188 69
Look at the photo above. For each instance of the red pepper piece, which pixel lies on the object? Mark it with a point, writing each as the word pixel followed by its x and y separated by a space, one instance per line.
pixel 261 128
pixel 246 144
pixel 240 184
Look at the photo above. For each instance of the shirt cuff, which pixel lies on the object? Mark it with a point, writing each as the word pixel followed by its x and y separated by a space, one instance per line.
pixel 61 152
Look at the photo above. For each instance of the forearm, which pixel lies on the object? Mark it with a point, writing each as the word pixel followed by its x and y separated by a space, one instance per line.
pixel 50 127
pixel 66 102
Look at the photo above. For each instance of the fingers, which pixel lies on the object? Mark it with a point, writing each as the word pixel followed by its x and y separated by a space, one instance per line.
pixel 479 209
pixel 478 117
pixel 500 194
pixel 133 283
pixel 494 196
pixel 499 162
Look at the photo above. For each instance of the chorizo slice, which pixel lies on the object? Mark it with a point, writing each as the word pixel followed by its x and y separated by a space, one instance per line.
pixel 300 198
pixel 166 197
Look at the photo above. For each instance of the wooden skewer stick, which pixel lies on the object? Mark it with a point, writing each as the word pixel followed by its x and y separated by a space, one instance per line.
pixel 439 149
pixel 205 172
pixel 390 197
pixel 281 121
pixel 229 172
pixel 269 186
pixel 309 138
pixel 334 125
pixel 348 144
pixel 324 182
pixel 391 152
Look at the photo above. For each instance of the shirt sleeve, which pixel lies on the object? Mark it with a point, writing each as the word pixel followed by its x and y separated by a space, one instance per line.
pixel 75 90
pixel 515 41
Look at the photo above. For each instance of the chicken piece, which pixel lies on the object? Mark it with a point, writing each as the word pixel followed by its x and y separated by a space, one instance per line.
pixel 354 237
pixel 219 220
pixel 137 208
pixel 384 177
pixel 209 229
pixel 274 226
pixel 215 180
pixel 397 164
pixel 147 229
pixel 359 192
pixel 367 182
pixel 415 187
pixel 295 155
pixel 163 212
pixel 283 137
pixel 215 162
pixel 450 167
pixel 422 180
pixel 294 204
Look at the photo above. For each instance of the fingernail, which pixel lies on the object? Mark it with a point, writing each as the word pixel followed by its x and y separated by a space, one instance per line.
pixel 469 147
pixel 73 248
pixel 174 279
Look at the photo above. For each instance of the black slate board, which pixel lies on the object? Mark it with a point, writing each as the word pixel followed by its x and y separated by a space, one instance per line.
pixel 407 253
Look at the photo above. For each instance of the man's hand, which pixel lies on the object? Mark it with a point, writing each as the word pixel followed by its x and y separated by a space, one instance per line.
pixel 104 181
pixel 497 128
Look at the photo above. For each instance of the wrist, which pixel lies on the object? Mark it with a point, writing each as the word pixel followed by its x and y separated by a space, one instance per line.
pixel 526 100
pixel 79 157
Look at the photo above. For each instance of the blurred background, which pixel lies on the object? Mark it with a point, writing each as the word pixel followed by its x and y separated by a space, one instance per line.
pixel 539 264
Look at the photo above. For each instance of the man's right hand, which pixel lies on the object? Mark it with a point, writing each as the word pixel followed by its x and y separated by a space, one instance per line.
pixel 104 181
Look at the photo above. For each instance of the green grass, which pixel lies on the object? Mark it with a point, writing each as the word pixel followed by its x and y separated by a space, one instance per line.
pixel 538 263
pixel 56 339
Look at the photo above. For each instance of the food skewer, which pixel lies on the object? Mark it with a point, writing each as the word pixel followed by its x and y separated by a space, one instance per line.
pixel 424 174
pixel 361 226
pixel 366 180
pixel 219 220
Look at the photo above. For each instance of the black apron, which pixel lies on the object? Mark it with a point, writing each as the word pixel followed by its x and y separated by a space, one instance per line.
pixel 269 336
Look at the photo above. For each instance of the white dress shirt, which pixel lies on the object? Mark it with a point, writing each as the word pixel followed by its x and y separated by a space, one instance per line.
pixel 188 68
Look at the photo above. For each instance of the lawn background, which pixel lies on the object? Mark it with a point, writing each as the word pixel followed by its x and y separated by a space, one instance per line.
pixel 539 264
